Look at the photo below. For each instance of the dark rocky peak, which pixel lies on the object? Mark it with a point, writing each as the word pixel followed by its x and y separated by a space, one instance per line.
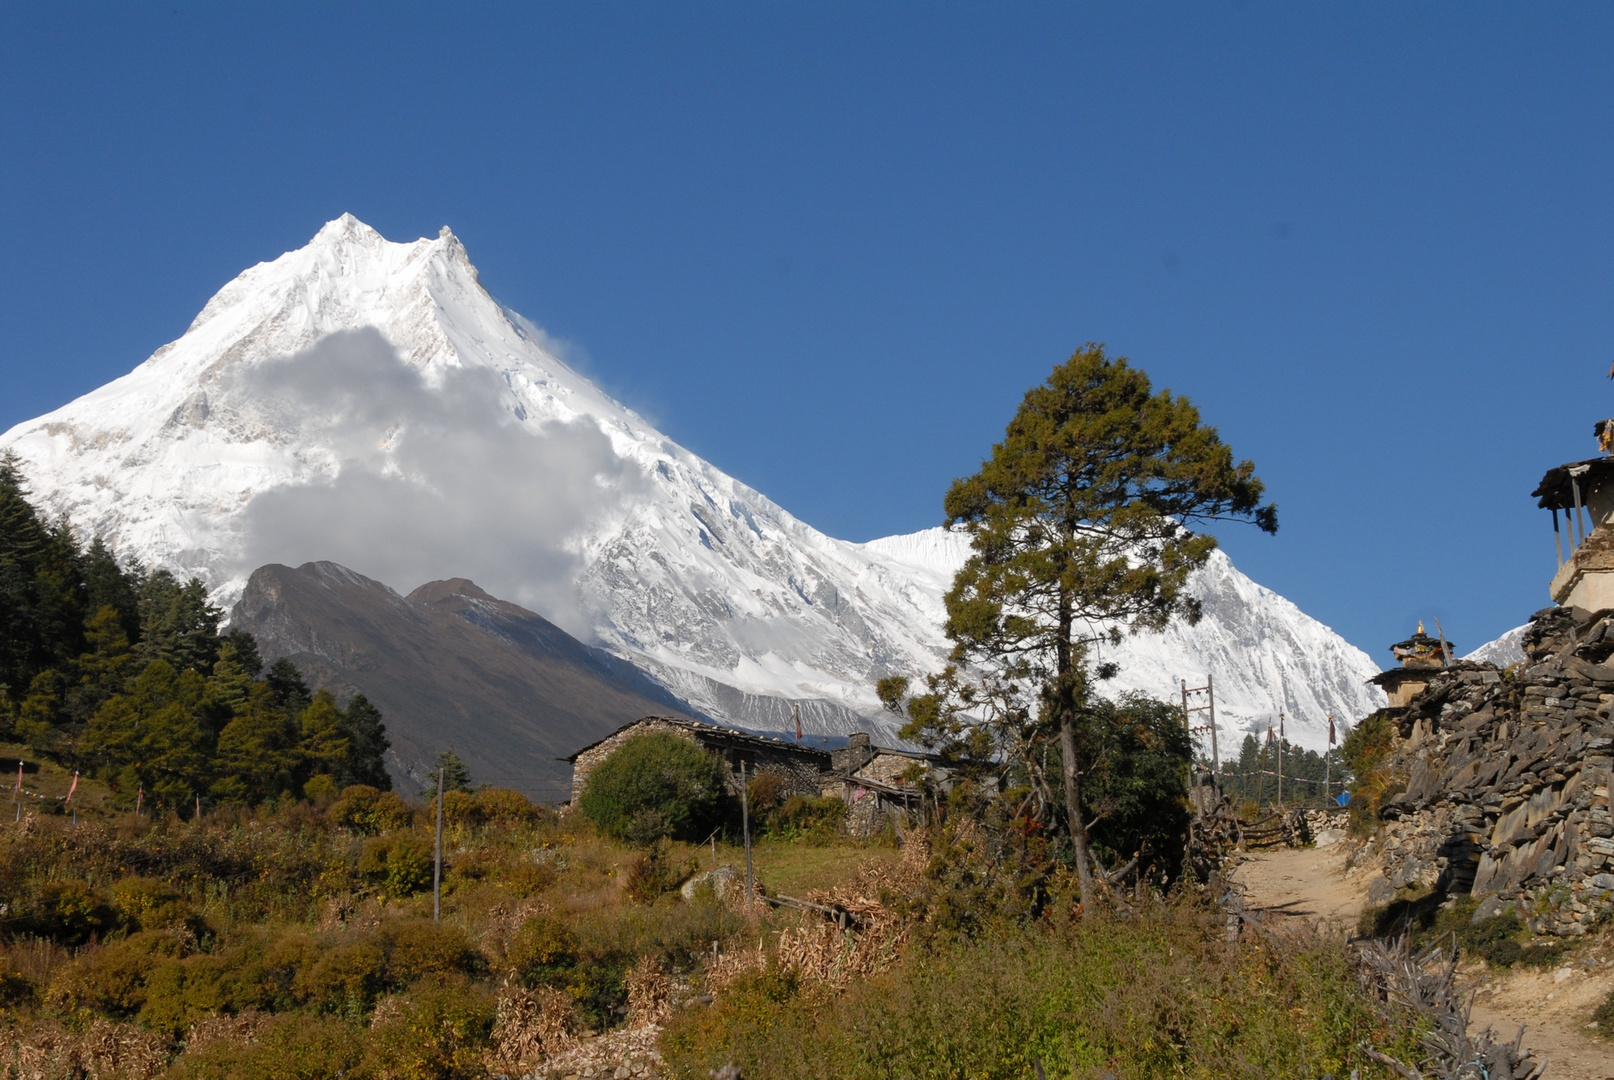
pixel 449 592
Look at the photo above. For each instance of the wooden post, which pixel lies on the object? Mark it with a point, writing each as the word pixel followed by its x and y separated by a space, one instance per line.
pixel 1280 762
pixel 437 862
pixel 1210 704
pixel 1580 525
pixel 1557 538
pixel 745 828
pixel 1186 721
pixel 1328 764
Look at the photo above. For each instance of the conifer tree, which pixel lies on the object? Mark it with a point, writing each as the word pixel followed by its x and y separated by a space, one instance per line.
pixel 367 745
pixel 456 774
pixel 1078 526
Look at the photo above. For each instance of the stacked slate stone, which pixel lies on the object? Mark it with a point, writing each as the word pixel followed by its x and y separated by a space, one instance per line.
pixel 1507 781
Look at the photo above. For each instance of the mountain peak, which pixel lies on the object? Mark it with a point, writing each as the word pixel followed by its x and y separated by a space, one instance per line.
pixel 347 229
pixel 436 592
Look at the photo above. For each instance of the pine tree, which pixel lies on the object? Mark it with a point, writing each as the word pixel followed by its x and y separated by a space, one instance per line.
pixel 456 774
pixel 1078 530
pixel 367 745
pixel 323 741
pixel 287 686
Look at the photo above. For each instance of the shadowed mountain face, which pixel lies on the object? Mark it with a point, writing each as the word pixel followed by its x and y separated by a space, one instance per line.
pixel 450 665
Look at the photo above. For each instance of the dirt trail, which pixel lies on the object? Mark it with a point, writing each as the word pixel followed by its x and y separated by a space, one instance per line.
pixel 1311 884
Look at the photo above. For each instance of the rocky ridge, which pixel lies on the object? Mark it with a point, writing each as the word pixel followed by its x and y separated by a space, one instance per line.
pixel 1507 775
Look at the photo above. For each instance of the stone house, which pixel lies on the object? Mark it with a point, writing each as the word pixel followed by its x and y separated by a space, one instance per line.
pixel 801 767
pixel 873 782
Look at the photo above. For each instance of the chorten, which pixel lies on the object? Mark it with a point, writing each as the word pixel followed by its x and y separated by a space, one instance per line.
pixel 1417 659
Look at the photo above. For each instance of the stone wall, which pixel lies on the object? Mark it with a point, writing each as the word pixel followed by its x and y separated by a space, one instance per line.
pixel 1507 781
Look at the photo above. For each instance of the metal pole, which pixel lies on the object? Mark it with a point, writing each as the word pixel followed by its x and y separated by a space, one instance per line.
pixel 745 826
pixel 437 863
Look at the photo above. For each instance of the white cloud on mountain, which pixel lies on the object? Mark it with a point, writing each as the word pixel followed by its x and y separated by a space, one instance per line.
pixel 427 475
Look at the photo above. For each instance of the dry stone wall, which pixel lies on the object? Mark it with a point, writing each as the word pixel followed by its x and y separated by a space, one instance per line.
pixel 1507 781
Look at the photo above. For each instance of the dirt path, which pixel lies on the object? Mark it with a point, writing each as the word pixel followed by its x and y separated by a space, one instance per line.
pixel 1311 884
pixel 1305 883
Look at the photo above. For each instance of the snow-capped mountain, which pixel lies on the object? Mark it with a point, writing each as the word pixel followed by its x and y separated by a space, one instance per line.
pixel 370 403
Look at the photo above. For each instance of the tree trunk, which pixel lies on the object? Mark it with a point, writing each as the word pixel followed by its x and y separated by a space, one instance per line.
pixel 1066 664
pixel 1073 807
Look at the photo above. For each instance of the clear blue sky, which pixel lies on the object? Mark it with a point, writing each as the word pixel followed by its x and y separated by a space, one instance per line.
pixel 829 246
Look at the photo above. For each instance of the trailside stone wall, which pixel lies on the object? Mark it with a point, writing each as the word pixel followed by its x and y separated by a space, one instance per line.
pixel 1508 779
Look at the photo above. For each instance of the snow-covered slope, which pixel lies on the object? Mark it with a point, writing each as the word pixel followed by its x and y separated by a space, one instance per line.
pixel 1502 651
pixel 370 403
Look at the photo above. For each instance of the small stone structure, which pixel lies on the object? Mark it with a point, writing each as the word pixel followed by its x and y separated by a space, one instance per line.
pixel 874 782
pixel 1420 656
pixel 801 767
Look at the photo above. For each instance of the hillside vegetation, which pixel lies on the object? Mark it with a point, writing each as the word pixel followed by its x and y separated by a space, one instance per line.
pixel 123 674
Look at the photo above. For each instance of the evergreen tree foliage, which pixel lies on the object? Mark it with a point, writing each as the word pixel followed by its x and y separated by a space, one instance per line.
pixel 455 773
pixel 1078 526
pixel 123 674
pixel 1310 778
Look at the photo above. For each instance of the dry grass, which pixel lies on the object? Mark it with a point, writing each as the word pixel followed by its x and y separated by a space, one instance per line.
pixel 530 1026
pixel 103 1051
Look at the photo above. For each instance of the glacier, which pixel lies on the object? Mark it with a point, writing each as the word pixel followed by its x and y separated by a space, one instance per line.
pixel 371 403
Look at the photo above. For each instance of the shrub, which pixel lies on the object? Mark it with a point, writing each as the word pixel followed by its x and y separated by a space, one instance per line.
pixel 290 1048
pixel 808 817
pixel 501 806
pixel 344 978
pixel 656 785
pixel 542 951
pixel 400 864
pixel 1603 1017
pixel 148 904
pixel 367 810
pixel 656 872
pixel 112 980
pixel 1364 751
pixel 421 948
pixel 1160 994
pixel 436 1032
pixel 460 808
pixel 181 992
pixel 68 912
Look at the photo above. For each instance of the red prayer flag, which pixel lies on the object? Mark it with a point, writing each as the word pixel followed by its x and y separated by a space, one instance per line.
pixel 1330 731
pixel 70 789
pixel 797 710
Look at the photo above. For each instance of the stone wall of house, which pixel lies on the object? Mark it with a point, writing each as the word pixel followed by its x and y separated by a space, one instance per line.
pixel 798 777
pixel 1507 781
